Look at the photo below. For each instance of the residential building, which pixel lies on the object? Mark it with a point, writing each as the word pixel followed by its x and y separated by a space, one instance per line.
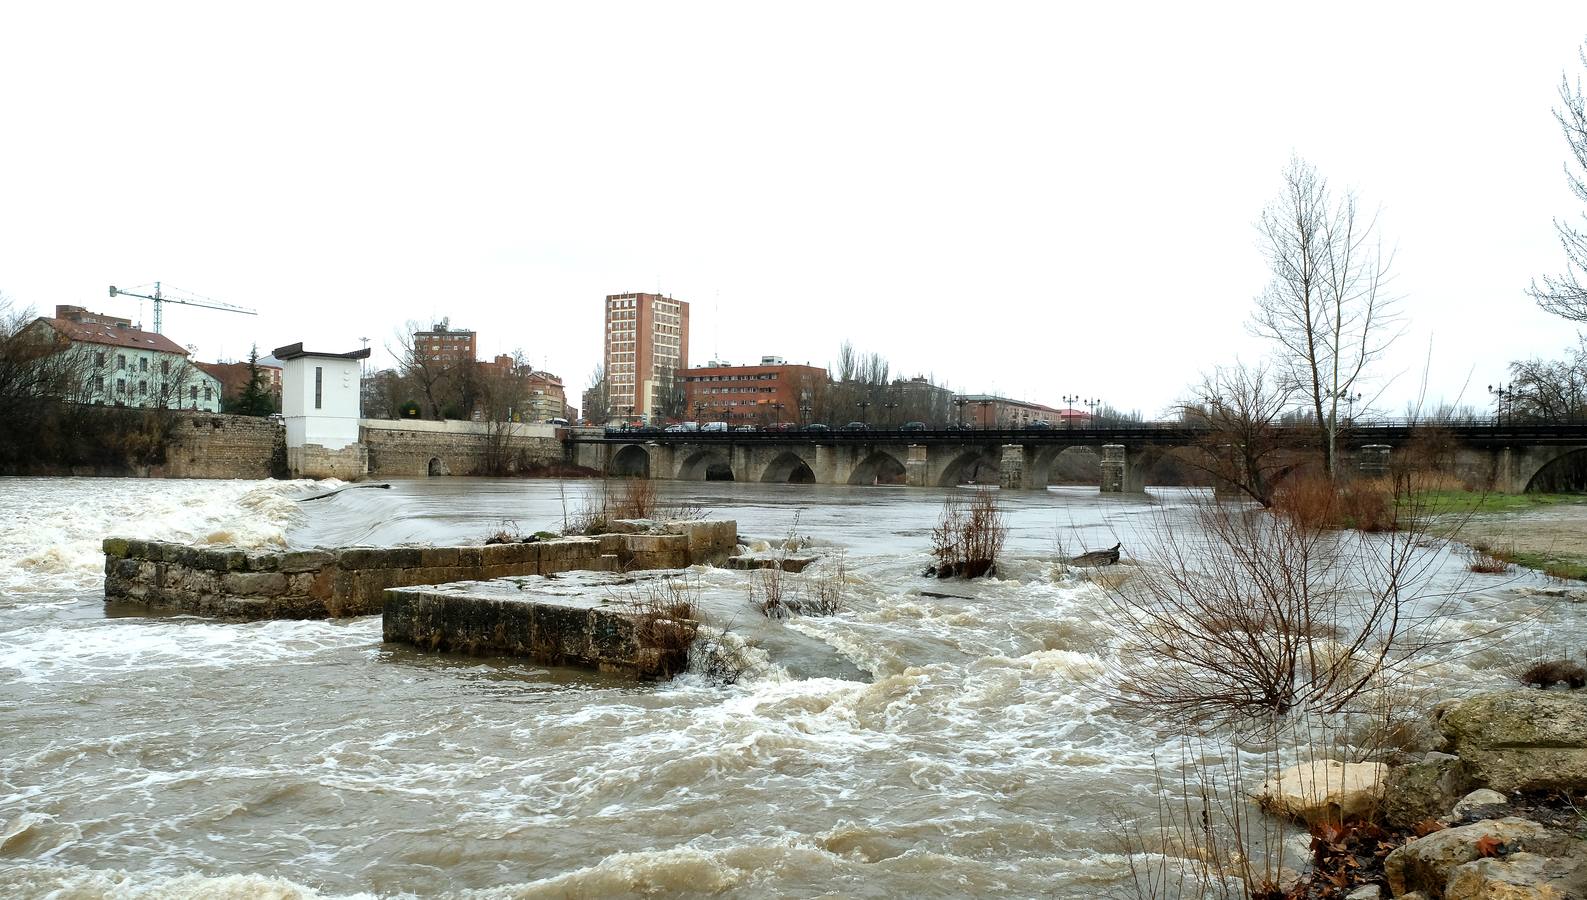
pixel 547 399
pixel 444 344
pixel 233 378
pixel 749 395
pixel 918 400
pixel 125 366
pixel 647 343
pixel 992 411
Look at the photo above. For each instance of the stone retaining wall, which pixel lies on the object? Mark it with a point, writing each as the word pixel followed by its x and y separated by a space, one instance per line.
pixel 316 584
pixel 401 448
pixel 220 446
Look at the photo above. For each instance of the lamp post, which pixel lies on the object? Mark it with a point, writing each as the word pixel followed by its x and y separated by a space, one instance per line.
pixel 699 407
pixel 863 405
pixel 1069 403
pixel 890 405
pixel 777 410
pixel 804 413
pixel 1502 396
pixel 1091 404
pixel 961 402
pixel 983 422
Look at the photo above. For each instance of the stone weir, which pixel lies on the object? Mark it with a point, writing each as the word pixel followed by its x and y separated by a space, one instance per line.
pixel 558 621
pixel 316 584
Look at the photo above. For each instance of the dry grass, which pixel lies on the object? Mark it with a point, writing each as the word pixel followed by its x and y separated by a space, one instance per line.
pixel 666 624
pixel 1314 501
pixel 630 498
pixel 969 536
pixel 778 594
pixel 1560 671
pixel 1487 560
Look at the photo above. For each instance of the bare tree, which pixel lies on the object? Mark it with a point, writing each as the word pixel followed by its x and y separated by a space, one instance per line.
pixel 596 396
pixel 1240 408
pixel 502 399
pixel 1327 306
pixel 1566 294
pixel 1548 390
pixel 440 384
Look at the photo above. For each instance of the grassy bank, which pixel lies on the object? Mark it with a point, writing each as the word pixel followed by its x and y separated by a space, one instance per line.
pixel 1465 502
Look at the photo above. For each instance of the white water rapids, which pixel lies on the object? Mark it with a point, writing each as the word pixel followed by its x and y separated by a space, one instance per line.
pixel 912 746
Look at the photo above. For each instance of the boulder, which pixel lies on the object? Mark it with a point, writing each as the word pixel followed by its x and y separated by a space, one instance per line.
pixel 1521 740
pixel 1324 791
pixel 1519 876
pixel 1426 863
pixel 1481 803
pixel 1422 790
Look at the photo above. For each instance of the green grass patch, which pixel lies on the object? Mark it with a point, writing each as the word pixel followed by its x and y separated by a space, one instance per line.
pixel 1465 502
pixel 1568 568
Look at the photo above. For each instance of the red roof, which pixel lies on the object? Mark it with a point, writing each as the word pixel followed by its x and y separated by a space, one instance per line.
pixel 113 336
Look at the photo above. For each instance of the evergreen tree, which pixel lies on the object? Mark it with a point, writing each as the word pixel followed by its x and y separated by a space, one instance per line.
pixel 255 399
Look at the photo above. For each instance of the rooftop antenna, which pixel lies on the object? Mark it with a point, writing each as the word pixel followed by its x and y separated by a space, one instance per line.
pixel 716 326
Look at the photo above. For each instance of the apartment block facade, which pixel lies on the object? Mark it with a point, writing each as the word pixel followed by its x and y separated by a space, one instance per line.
pixel 119 365
pixel 647 343
pixel 750 395
pixel 444 344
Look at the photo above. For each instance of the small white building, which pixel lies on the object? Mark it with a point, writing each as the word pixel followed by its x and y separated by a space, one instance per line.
pixel 320 404
pixel 119 365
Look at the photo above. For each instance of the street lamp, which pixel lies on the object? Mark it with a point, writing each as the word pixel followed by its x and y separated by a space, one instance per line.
pixel 804 413
pixel 863 405
pixel 890 405
pixel 983 421
pixel 1092 403
pixel 961 402
pixel 777 410
pixel 1502 396
pixel 699 407
pixel 1069 403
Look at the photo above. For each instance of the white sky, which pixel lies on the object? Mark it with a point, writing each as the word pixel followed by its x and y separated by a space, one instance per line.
pixel 1030 199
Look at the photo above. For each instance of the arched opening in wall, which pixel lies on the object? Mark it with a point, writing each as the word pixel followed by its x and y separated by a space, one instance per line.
pixel 706 465
pixel 632 461
pixel 788 468
pixel 971 467
pixel 1068 466
pixel 878 468
pixel 435 467
pixel 1566 474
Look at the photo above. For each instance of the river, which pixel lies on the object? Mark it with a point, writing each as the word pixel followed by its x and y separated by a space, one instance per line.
pixel 915 747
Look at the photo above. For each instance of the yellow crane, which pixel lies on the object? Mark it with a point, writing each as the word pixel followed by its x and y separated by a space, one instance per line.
pixel 160 300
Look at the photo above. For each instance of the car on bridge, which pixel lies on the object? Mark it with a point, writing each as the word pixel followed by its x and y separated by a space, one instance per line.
pixel 913 426
pixel 856 426
pixel 816 426
pixel 1038 425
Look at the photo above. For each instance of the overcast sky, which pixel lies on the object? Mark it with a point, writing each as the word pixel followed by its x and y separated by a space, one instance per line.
pixel 1029 199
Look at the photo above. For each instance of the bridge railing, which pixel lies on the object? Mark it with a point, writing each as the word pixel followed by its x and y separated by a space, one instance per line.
pixel 1388 431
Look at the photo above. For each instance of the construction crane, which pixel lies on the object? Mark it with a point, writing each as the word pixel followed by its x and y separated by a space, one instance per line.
pixel 160 300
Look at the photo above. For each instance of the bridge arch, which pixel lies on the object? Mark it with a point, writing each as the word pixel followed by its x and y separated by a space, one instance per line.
pixel 1047 459
pixel 880 467
pixel 971 465
pixel 788 468
pixel 1563 472
pixel 632 461
pixel 709 464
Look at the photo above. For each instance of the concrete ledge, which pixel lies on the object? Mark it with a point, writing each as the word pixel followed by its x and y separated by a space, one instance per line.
pixel 793 564
pixel 516 617
pixel 317 584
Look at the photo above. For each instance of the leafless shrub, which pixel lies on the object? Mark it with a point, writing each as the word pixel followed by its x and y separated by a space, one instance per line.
pixel 1253 615
pixel 666 624
pixel 778 594
pixel 968 536
pixel 1488 560
pixel 721 657
pixel 630 498
pixel 828 595
pixel 1560 671
pixel 507 532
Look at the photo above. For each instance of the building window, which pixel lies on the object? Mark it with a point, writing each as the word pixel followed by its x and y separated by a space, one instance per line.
pixel 165 367
pixel 143 389
pixel 101 385
pixel 121 386
pixel 206 393
pixel 192 393
pixel 99 359
pixel 121 361
pixel 319 385
pixel 143 364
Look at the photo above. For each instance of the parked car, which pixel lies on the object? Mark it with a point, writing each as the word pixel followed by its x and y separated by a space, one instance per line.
pixel 1038 426
pixel 683 426
pixel 557 421
pixel 782 426
pixel 744 428
pixel 714 426
pixel 856 426
pixel 816 426
pixel 913 426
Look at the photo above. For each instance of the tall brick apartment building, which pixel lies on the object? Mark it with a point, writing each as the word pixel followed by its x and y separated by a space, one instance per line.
pixel 750 395
pixel 647 343
pixel 444 344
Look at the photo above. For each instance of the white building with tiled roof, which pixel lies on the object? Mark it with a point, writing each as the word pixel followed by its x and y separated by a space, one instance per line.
pixel 126 366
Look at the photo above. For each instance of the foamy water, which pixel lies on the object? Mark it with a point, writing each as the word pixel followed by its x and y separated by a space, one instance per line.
pixel 912 746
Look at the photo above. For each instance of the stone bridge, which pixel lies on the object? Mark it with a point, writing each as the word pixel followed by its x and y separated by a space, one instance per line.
pixel 1509 458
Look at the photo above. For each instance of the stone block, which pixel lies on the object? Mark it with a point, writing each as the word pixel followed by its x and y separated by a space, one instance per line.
pixel 401 557
pixel 359 558
pixel 255 584
pixel 471 556
pixel 115 548
pixel 1524 740
pixel 630 526
pixel 511 554
pixel 657 543
pixel 137 549
pixel 305 560
pixel 433 557
pixel 612 543
pixel 262 562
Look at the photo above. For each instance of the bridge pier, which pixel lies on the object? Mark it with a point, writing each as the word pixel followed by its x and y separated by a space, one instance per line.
pixel 1118 476
pixel 917 470
pixel 1011 468
pixel 1373 460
